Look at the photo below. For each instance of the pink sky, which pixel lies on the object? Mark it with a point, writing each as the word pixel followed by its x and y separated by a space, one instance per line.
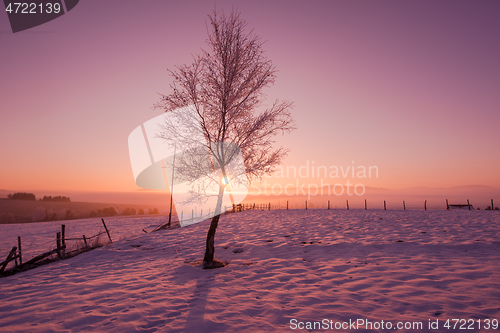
pixel 410 87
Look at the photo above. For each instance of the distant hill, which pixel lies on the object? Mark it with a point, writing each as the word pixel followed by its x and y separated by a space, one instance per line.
pixel 22 211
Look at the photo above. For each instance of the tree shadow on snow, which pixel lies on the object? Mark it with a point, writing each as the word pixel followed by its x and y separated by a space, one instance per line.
pixel 197 320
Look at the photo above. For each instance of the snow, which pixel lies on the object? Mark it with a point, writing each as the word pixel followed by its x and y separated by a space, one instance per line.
pixel 308 265
pixel 40 237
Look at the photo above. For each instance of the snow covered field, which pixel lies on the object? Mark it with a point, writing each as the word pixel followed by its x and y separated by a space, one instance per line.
pixel 286 268
pixel 40 237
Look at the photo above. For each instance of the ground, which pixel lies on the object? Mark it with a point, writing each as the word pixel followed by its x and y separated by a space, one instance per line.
pixel 285 268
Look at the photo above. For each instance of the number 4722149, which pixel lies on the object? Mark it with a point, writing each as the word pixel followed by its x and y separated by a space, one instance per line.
pixel 32 8
pixel 471 324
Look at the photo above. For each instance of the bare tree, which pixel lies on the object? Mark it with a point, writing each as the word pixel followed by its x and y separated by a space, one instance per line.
pixel 223 89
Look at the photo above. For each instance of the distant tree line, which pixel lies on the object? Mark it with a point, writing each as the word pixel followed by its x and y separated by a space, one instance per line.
pixel 21 196
pixel 56 199
pixel 31 197
pixel 111 211
pixel 129 211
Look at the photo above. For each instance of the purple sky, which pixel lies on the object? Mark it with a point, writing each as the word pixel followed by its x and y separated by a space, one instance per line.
pixel 411 87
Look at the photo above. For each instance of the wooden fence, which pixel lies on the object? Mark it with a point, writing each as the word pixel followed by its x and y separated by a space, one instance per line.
pixel 268 206
pixel 60 250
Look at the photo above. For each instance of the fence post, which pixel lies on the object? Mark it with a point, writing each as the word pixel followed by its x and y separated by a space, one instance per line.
pixel 85 241
pixel 447 205
pixel 404 205
pixel 347 201
pixel 9 257
pixel 306 204
pixel 425 204
pixel 385 207
pixel 58 243
pixel 366 207
pixel 19 247
pixel 328 204
pixel 15 258
pixel 468 204
pixel 107 231
pixel 492 207
pixel 269 206
pixel 63 238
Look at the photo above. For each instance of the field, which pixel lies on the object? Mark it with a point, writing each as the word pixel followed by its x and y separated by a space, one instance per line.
pixel 286 270
pixel 22 210
pixel 39 237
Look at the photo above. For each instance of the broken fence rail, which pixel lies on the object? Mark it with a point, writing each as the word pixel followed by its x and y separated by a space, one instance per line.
pixel 60 250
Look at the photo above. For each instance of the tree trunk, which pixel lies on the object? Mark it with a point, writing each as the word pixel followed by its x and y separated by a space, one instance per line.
pixel 210 249
pixel 208 259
